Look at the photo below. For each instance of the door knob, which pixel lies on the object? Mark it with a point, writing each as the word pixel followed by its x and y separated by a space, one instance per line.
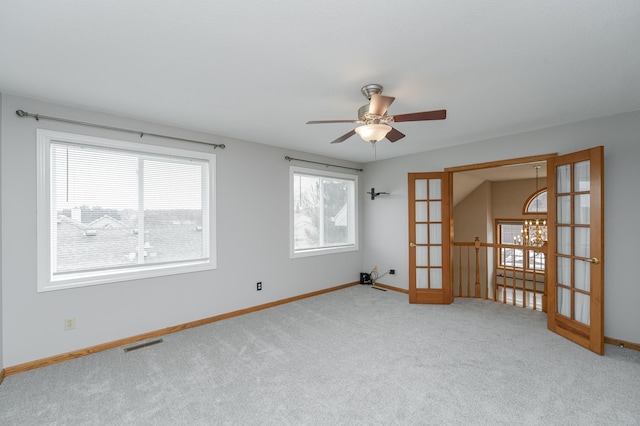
pixel 412 245
pixel 593 260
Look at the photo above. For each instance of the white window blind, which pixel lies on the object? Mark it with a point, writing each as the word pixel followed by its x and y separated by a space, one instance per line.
pixel 119 210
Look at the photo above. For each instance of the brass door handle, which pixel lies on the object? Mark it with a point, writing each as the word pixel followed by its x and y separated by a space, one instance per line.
pixel 593 260
pixel 412 245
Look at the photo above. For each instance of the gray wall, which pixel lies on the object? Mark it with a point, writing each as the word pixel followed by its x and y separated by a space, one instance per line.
pixel 1 258
pixel 252 242
pixel 253 232
pixel 509 197
pixel 476 214
pixel 386 238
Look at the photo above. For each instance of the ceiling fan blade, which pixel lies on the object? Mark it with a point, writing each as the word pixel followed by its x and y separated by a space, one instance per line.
pixel 379 104
pixel 439 114
pixel 333 121
pixel 394 135
pixel 345 136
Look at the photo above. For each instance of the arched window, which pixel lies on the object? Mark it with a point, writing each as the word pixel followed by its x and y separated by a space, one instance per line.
pixel 537 203
pixel 524 232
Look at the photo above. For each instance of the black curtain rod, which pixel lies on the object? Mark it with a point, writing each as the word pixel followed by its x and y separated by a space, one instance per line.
pixel 38 117
pixel 322 164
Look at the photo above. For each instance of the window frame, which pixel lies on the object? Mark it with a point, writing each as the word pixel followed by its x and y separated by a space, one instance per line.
pixel 526 260
pixel 527 207
pixel 353 218
pixel 502 254
pixel 46 218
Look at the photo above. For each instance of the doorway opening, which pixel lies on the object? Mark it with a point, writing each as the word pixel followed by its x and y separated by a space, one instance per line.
pixel 574 272
pixel 499 232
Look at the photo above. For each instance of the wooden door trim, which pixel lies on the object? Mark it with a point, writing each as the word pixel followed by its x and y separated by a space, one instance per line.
pixel 500 163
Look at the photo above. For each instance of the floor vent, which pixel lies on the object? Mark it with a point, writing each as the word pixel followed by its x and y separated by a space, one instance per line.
pixel 143 345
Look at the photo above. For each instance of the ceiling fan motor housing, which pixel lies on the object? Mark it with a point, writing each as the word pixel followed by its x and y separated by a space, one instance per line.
pixel 362 111
pixel 371 89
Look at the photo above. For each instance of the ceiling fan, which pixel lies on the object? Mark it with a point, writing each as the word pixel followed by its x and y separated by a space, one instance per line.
pixel 375 121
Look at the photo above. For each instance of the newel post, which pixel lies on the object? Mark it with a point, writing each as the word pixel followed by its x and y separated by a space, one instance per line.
pixel 476 244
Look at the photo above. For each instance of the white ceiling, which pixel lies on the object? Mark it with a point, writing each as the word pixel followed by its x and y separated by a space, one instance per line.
pixel 259 70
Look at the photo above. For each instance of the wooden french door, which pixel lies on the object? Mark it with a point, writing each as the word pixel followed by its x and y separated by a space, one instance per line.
pixel 429 238
pixel 575 263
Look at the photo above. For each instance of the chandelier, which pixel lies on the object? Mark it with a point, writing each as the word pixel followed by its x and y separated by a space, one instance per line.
pixel 534 231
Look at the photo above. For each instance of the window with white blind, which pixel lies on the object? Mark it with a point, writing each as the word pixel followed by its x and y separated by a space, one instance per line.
pixel 112 211
pixel 323 212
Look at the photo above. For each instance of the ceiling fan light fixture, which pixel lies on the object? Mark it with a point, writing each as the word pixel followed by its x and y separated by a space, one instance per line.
pixel 373 132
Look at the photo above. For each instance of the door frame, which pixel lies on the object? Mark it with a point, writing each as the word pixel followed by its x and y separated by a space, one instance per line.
pixel 501 163
pixel 430 296
pixel 490 165
pixel 592 342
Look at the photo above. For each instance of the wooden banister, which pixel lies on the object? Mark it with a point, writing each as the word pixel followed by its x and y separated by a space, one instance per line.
pixel 508 281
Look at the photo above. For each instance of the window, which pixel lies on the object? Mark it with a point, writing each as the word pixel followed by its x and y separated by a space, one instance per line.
pixel 323 212
pixel 114 211
pixel 537 203
pixel 509 232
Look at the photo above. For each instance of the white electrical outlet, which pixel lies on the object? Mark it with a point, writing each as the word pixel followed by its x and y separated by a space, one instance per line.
pixel 69 324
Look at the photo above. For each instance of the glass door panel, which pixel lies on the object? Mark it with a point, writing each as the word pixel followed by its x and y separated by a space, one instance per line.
pixel 564 240
pixel 422 257
pixel 435 211
pixel 421 211
pixel 576 248
pixel 428 258
pixel 564 302
pixel 581 176
pixel 435 189
pixel 435 254
pixel 564 209
pixel 422 233
pixel 563 179
pixel 582 240
pixel 435 233
pixel 421 189
pixel 582 214
pixel 573 274
pixel 564 271
pixel 428 245
pixel 582 275
pixel 422 279
pixel 435 278
pixel 582 302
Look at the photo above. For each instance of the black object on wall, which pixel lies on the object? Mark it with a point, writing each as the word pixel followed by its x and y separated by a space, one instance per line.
pixel 374 194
